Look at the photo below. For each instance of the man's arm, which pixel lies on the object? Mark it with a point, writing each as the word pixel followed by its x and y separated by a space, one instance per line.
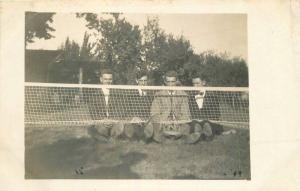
pixel 155 110
pixel 185 113
pixel 117 104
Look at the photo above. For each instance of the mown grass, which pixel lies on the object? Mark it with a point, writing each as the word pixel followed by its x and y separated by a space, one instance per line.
pixel 64 152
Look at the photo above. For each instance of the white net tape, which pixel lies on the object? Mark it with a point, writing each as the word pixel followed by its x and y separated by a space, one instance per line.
pixel 74 104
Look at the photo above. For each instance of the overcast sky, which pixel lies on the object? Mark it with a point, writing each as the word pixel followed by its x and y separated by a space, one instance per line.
pixel 218 32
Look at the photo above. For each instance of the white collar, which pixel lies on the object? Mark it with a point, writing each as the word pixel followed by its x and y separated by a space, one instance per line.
pixel 105 91
pixel 171 92
pixel 106 94
pixel 142 93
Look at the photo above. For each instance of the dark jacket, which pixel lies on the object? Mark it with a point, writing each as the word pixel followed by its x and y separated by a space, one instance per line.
pixel 114 109
pixel 138 105
pixel 210 109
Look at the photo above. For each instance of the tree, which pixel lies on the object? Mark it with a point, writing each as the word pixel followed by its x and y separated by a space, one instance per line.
pixel 179 52
pixel 66 69
pixel 154 49
pixel 89 67
pixel 124 48
pixel 118 45
pixel 164 52
pixel 37 26
pixel 73 60
pixel 218 69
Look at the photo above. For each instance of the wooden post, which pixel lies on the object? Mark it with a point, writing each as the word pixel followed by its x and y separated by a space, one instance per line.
pixel 80 80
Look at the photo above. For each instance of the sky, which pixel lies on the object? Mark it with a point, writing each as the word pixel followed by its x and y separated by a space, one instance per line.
pixel 218 32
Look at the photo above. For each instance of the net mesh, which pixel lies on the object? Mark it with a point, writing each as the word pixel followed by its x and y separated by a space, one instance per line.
pixel 74 104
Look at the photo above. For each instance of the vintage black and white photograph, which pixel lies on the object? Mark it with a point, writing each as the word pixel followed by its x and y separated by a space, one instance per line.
pixel 115 95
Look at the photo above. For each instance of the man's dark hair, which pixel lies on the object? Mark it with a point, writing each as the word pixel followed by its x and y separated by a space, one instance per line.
pixel 171 73
pixel 140 74
pixel 197 75
pixel 106 71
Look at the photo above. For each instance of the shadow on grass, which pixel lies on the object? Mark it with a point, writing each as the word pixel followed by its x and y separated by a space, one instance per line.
pixel 80 158
pixel 225 157
pixel 121 171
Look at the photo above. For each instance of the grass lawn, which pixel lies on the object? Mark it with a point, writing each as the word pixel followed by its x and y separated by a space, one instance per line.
pixel 63 152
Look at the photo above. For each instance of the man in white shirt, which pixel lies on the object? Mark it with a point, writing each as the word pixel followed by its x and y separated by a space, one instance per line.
pixel 106 104
pixel 145 98
pixel 208 102
pixel 138 107
pixel 106 78
pixel 99 97
pixel 204 107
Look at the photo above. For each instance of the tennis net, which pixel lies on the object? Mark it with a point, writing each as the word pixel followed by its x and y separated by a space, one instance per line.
pixel 85 104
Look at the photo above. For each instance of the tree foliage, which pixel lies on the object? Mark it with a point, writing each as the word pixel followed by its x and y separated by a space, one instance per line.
pixel 218 69
pixel 37 26
pixel 155 44
pixel 127 49
pixel 164 52
pixel 72 58
pixel 118 45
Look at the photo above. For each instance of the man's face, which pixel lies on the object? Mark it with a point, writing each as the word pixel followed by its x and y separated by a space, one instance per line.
pixel 143 81
pixel 170 81
pixel 106 79
pixel 197 82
